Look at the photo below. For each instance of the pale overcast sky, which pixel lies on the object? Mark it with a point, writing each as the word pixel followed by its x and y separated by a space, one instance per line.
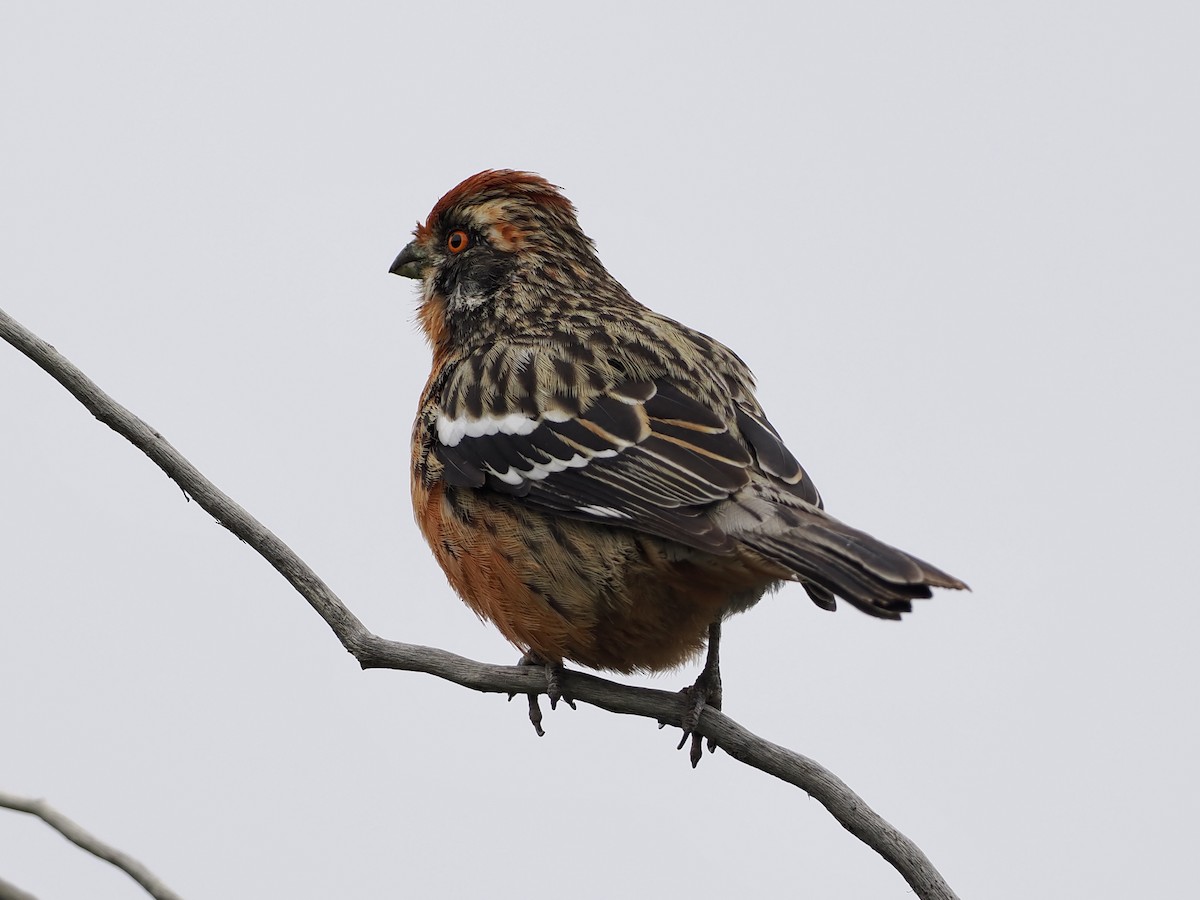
pixel 956 242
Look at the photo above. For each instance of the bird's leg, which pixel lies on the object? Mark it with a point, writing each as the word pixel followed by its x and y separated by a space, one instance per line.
pixel 553 689
pixel 706 691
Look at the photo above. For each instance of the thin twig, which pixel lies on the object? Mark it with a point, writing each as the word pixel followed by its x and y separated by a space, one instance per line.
pixel 373 652
pixel 89 842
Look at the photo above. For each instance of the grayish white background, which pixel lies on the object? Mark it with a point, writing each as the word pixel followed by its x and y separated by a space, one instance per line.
pixel 958 245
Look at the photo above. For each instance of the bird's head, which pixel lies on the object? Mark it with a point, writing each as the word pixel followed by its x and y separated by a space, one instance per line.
pixel 494 247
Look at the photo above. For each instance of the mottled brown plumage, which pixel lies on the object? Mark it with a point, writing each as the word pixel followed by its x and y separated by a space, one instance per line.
pixel 597 479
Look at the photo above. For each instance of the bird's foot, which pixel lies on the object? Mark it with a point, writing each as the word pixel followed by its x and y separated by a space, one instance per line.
pixel 705 692
pixel 553 689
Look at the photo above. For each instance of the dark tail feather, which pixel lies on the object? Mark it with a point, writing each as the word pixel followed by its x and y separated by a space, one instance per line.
pixel 823 597
pixel 832 558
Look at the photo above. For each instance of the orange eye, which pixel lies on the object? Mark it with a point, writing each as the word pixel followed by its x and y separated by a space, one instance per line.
pixel 457 241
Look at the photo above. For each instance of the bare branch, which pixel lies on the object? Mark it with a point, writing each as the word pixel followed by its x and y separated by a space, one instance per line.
pixel 93 845
pixel 9 891
pixel 373 652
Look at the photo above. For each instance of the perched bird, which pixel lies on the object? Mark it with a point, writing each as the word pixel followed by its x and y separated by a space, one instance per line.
pixel 594 478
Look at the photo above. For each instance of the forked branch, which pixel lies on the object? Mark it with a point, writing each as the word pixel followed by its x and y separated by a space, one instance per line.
pixel 373 652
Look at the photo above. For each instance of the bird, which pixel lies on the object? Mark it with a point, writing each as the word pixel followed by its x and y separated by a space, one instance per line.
pixel 596 479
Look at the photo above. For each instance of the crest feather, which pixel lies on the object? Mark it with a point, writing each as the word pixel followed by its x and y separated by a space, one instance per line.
pixel 495 184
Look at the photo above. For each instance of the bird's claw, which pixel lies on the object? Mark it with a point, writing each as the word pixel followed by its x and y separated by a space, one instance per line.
pixel 705 692
pixel 535 715
pixel 553 690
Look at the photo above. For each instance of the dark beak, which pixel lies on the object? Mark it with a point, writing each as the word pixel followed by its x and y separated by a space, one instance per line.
pixel 410 262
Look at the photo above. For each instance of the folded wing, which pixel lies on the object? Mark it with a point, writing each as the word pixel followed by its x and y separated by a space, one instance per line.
pixel 643 454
